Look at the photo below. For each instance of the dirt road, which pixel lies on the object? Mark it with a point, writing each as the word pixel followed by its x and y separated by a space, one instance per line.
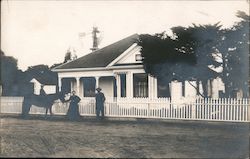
pixel 89 138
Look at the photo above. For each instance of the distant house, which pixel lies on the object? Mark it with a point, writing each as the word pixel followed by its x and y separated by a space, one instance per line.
pixel 50 86
pixel 118 70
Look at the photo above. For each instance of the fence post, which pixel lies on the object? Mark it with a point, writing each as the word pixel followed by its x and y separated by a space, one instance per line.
pixel 193 112
pixel 106 107
pixel 148 109
pixel 248 110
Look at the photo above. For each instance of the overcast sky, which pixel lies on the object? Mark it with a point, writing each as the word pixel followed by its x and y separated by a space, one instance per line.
pixel 40 32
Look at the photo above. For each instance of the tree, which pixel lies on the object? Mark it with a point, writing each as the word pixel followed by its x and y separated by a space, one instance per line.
pixel 68 56
pixel 206 47
pixel 235 51
pixel 186 56
pixel 41 71
pixel 8 73
pixel 205 40
pixel 163 59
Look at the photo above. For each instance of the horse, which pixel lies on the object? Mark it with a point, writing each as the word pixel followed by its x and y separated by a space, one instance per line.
pixel 46 102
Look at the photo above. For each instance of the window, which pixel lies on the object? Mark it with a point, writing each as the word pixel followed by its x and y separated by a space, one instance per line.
pixel 89 87
pixel 123 85
pixel 183 88
pixel 140 85
pixel 66 85
pixel 138 57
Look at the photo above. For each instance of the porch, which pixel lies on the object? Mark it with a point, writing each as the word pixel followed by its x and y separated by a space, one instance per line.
pixel 115 84
pixel 135 84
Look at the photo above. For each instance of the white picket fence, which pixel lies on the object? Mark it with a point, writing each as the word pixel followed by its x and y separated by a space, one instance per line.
pixel 11 104
pixel 221 109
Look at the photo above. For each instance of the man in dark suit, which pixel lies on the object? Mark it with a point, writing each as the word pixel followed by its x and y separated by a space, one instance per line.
pixel 100 99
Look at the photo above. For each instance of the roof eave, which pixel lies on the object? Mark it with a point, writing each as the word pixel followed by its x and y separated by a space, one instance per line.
pixel 98 68
pixel 79 69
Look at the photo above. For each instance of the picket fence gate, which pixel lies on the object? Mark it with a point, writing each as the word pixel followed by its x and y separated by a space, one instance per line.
pixel 221 109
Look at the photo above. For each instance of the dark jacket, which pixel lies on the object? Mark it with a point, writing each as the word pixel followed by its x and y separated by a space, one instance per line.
pixel 100 99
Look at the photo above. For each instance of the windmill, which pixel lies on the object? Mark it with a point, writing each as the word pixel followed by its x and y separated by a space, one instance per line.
pixel 96 37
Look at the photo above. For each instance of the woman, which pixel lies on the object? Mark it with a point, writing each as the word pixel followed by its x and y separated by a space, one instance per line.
pixel 73 111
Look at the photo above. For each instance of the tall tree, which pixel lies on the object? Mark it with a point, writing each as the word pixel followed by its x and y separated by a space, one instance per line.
pixel 235 51
pixel 186 56
pixel 163 59
pixel 41 71
pixel 8 73
pixel 205 42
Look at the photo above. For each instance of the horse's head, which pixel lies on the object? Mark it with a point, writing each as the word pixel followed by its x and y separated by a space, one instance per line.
pixel 61 96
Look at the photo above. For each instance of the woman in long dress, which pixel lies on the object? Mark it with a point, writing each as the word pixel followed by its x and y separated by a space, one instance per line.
pixel 73 111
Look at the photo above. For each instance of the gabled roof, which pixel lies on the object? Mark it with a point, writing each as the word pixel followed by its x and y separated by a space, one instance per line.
pixel 45 81
pixel 101 57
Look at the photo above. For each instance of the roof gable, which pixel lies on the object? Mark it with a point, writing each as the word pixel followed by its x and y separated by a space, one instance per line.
pixel 102 57
pixel 130 57
pixel 45 81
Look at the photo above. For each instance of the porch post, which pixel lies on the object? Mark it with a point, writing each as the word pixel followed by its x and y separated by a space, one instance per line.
pixel 59 84
pixel 129 83
pixel 81 88
pixel 78 86
pixel 97 81
pixel 150 87
pixel 72 85
pixel 155 87
pixel 118 85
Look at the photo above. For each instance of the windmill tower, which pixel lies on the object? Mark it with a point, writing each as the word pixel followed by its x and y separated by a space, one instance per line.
pixel 95 39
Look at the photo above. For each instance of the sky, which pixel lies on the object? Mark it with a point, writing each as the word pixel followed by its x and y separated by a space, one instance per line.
pixel 41 32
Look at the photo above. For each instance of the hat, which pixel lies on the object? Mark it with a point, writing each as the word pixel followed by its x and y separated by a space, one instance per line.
pixel 98 89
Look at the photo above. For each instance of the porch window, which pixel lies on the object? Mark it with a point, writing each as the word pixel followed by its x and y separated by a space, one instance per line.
pixel 123 85
pixel 89 87
pixel 140 85
pixel 66 84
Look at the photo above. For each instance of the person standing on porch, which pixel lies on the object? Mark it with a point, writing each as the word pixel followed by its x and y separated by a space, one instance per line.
pixel 100 99
pixel 73 111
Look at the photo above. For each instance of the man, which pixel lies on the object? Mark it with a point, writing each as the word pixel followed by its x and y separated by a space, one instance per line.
pixel 100 99
pixel 42 92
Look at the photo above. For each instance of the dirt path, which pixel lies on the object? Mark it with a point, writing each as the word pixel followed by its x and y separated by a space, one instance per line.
pixel 90 138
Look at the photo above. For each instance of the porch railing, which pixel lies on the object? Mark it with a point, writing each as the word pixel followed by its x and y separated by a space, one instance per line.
pixel 221 109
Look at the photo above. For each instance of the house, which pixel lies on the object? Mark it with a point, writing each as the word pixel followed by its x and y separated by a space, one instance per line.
pixel 118 70
pixel 50 86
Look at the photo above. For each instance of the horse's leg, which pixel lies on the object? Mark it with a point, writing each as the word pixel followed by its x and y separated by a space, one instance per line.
pixel 29 106
pixel 46 112
pixel 25 109
pixel 50 110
